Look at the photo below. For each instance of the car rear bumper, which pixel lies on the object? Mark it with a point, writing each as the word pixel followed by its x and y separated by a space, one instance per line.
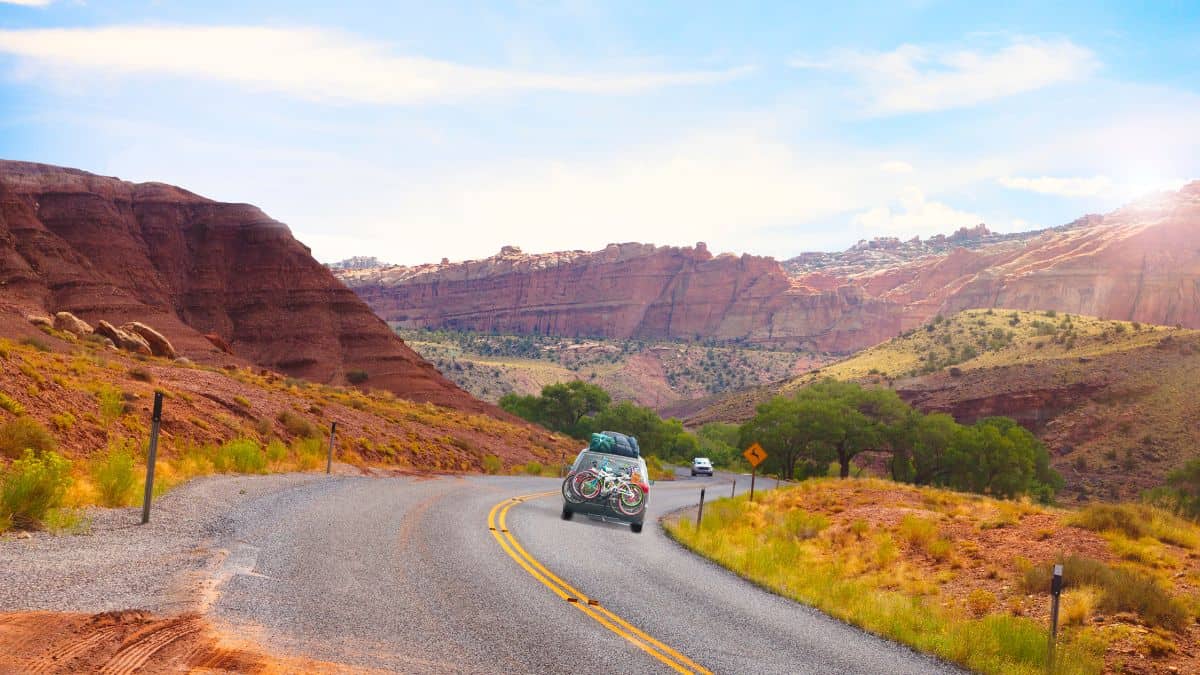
pixel 605 512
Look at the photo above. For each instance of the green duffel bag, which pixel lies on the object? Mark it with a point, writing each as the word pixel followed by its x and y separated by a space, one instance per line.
pixel 601 443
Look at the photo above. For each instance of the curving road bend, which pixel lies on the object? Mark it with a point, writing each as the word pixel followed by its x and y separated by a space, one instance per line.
pixel 404 574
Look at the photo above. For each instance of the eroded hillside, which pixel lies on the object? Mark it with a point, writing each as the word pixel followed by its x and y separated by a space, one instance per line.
pixel 1112 400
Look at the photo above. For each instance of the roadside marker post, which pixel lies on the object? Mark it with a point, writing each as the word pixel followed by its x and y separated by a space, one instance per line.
pixel 329 462
pixel 700 512
pixel 755 455
pixel 733 488
pixel 155 423
pixel 1056 584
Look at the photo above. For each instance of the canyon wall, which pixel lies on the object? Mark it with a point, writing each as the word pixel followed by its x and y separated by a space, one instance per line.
pixel 1139 263
pixel 103 248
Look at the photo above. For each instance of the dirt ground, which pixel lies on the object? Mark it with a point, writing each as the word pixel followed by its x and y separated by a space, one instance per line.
pixel 132 641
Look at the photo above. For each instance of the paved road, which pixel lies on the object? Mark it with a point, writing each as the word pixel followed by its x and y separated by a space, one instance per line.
pixel 404 574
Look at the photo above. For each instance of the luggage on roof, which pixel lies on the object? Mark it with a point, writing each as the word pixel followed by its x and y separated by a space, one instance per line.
pixel 623 445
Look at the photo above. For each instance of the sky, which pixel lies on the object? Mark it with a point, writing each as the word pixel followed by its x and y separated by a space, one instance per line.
pixel 416 131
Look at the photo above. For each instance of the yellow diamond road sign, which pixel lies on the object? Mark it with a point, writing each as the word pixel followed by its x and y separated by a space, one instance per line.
pixel 755 454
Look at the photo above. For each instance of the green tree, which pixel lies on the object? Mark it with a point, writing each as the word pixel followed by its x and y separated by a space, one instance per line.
pixel 1001 458
pixel 561 407
pixel 848 418
pixel 919 443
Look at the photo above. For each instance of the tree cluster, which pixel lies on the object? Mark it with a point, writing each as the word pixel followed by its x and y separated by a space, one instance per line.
pixel 835 421
pixel 579 409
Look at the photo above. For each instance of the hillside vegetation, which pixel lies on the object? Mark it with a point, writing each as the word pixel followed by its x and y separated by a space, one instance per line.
pixel 967 577
pixel 1111 399
pixel 89 406
pixel 650 373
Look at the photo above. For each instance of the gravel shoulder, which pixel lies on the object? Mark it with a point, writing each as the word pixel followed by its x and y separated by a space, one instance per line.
pixel 120 564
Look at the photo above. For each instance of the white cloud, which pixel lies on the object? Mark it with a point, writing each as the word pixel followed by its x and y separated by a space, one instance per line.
pixel 28 3
pixel 1065 187
pixel 915 215
pixel 307 63
pixel 896 166
pixel 912 78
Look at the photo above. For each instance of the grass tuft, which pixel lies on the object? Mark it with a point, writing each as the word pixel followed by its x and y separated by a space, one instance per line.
pixel 241 455
pixel 491 464
pixel 11 405
pixel 24 433
pixel 113 474
pixel 31 486
pixel 1122 590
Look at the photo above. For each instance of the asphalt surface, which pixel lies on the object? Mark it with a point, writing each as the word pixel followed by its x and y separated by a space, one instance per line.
pixel 403 574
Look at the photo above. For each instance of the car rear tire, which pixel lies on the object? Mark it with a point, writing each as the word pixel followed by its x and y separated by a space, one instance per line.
pixel 567 513
pixel 636 527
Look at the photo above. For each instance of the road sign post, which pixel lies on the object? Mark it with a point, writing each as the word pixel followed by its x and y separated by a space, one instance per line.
pixel 329 461
pixel 152 456
pixel 1056 584
pixel 755 455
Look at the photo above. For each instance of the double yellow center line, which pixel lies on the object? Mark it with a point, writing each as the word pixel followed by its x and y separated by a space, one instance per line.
pixel 589 606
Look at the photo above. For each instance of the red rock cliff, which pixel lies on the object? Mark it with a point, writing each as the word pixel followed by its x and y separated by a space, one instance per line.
pixel 1139 263
pixel 627 291
pixel 103 248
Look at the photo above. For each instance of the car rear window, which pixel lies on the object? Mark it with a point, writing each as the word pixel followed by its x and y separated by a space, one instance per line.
pixel 614 463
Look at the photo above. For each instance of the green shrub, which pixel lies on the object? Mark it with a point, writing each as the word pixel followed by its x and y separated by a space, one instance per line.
pixel 11 405
pixel 241 455
pixel 242 401
pixel 310 453
pixel 36 343
pixel 357 376
pixel 112 403
pixel 276 451
pixel 1123 590
pixel 296 425
pixel 533 468
pixel 114 475
pixel 63 421
pixel 31 486
pixel 491 464
pixel 24 433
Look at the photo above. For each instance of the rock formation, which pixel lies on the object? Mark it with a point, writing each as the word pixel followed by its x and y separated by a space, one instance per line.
pixel 123 339
pixel 159 344
pixel 66 321
pixel 1138 263
pixel 102 248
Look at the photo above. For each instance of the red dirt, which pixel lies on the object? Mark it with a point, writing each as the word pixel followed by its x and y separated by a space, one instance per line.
pixel 132 641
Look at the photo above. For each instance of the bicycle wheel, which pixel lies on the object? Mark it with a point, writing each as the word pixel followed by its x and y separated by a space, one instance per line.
pixel 630 499
pixel 568 490
pixel 587 485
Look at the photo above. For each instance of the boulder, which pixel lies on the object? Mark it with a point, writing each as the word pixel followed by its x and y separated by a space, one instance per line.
pixel 130 342
pixel 159 344
pixel 66 321
pixel 218 342
pixel 40 320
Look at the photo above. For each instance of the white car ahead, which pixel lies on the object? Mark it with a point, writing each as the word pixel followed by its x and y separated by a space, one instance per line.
pixel 701 466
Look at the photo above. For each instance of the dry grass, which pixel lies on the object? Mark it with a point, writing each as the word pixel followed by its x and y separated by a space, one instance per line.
pixel 208 427
pixel 934 569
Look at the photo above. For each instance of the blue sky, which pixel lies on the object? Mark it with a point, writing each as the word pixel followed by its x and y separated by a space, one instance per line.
pixel 416 131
